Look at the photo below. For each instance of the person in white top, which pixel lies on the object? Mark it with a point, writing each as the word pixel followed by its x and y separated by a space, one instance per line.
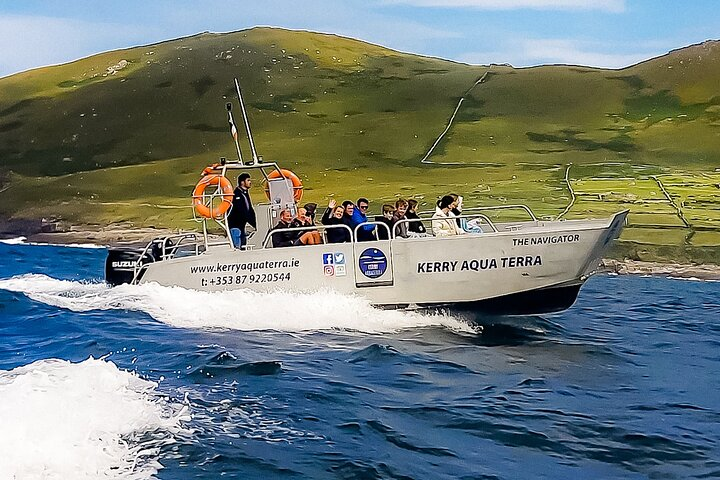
pixel 443 223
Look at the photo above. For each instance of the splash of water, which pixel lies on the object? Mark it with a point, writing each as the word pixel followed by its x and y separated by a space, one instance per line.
pixel 83 420
pixel 23 241
pixel 236 309
pixel 14 241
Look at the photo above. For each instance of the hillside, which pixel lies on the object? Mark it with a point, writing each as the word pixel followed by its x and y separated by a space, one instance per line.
pixel 122 136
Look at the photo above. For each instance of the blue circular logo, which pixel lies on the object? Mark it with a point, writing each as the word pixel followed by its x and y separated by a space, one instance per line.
pixel 373 263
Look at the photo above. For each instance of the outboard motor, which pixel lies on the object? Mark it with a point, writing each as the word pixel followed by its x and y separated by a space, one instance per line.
pixel 121 261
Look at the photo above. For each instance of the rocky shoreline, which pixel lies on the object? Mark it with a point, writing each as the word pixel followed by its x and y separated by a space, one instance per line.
pixel 121 234
pixel 89 234
pixel 633 267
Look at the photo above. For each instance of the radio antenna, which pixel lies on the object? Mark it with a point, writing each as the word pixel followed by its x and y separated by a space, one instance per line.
pixel 247 124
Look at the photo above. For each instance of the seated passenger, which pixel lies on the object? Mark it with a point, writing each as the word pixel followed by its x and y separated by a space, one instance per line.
pixel 444 222
pixel 354 215
pixel 348 210
pixel 386 218
pixel 366 233
pixel 283 238
pixel 305 237
pixel 400 229
pixel 473 226
pixel 334 216
pixel 456 208
pixel 414 226
pixel 310 209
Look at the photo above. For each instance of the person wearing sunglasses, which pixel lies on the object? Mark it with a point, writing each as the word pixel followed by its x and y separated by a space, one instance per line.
pixel 366 233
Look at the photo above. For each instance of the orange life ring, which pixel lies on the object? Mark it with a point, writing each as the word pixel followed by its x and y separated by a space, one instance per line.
pixel 296 183
pixel 210 169
pixel 207 211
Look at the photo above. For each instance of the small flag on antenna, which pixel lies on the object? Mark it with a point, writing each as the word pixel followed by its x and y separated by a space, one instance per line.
pixel 234 133
pixel 233 129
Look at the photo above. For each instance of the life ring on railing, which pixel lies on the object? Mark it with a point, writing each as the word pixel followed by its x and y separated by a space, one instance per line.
pixel 210 169
pixel 296 183
pixel 207 211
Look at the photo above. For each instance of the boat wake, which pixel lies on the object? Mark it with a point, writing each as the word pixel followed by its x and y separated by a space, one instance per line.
pixel 83 421
pixel 237 310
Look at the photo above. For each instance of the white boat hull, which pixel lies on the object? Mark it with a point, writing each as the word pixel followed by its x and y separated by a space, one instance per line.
pixel 523 268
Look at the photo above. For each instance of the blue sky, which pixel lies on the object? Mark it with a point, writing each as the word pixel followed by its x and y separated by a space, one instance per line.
pixel 601 33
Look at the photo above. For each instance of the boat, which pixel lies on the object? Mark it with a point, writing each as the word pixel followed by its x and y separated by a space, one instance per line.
pixel 519 267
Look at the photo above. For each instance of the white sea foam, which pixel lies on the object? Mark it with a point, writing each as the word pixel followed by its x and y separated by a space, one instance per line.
pixel 13 241
pixel 694 279
pixel 23 241
pixel 238 309
pixel 72 245
pixel 86 420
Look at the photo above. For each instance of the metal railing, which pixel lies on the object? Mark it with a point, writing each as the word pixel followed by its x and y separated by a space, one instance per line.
pixel 372 222
pixel 208 199
pixel 164 248
pixel 391 233
pixel 504 207
pixel 424 221
pixel 493 207
pixel 309 228
pixel 469 214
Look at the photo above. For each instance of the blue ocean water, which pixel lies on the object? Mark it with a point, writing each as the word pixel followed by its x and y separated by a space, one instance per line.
pixel 153 382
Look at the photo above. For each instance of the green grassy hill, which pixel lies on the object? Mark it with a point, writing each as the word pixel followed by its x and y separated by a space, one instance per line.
pixel 122 136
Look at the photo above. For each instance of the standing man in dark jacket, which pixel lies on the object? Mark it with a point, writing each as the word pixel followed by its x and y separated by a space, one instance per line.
pixel 242 212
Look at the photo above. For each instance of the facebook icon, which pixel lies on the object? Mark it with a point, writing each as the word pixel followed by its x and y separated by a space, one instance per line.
pixel 328 258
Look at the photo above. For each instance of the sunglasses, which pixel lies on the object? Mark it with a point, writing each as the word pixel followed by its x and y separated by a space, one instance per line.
pixel 364 207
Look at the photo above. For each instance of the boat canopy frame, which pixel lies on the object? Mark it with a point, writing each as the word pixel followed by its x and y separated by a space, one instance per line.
pixel 222 170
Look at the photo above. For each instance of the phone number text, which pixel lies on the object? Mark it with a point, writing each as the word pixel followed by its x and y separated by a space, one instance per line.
pixel 222 280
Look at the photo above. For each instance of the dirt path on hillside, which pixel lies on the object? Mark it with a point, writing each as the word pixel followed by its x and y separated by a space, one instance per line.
pixel 450 123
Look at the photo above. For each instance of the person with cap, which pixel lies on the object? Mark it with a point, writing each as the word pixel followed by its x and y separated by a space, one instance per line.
pixel 242 212
pixel 310 209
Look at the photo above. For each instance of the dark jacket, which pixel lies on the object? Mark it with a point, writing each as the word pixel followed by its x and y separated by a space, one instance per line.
pixel 283 238
pixel 416 226
pixel 242 212
pixel 382 233
pixel 457 212
pixel 296 223
pixel 334 235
